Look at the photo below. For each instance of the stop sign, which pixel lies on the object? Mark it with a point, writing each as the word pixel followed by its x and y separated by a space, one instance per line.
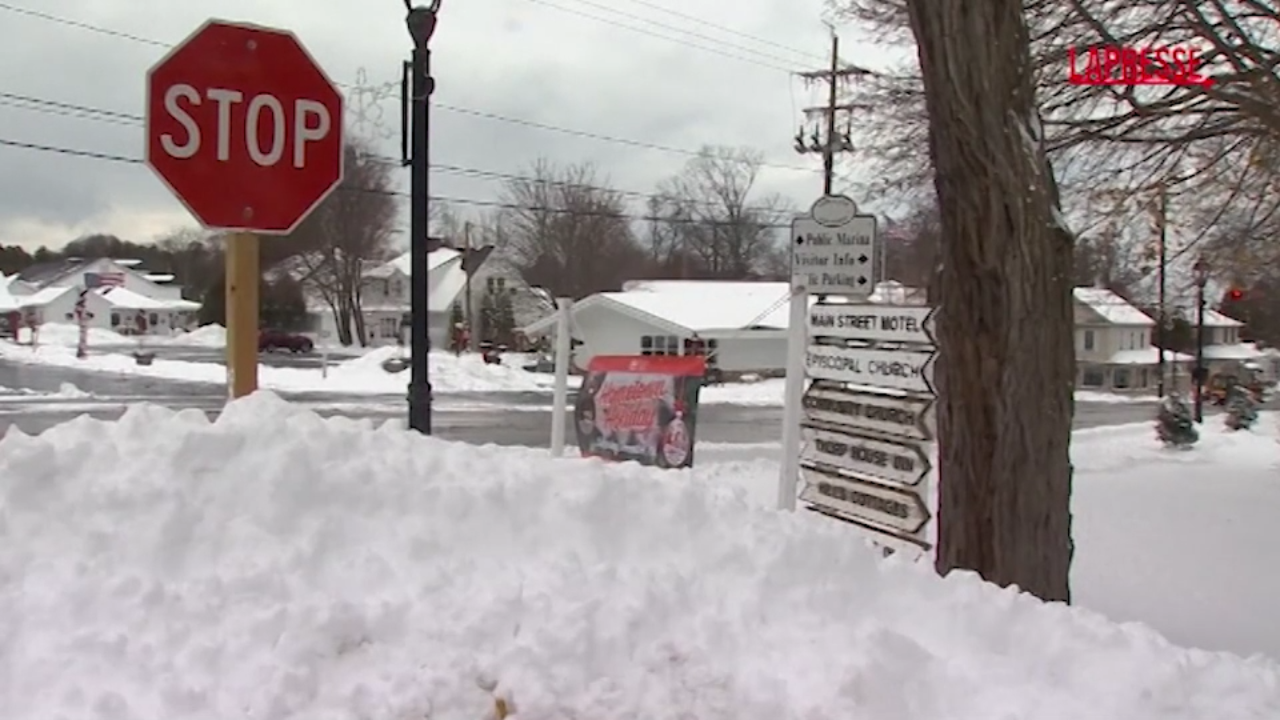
pixel 244 127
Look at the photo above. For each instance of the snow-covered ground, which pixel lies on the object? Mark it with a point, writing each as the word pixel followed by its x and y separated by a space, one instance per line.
pixel 68 335
pixel 364 374
pixel 276 565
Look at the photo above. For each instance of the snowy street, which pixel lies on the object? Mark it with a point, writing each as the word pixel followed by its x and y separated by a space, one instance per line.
pixel 34 401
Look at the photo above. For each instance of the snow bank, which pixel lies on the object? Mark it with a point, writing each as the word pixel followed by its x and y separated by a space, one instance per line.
pixel 68 335
pixel 209 336
pixel 363 375
pixel 279 566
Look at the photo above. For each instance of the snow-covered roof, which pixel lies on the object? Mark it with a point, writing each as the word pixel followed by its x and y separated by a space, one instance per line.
pixel 1111 307
pixel 404 263
pixel 1237 351
pixel 8 303
pixel 1146 356
pixel 44 296
pixel 1213 318
pixel 126 299
pixel 714 306
pixel 702 305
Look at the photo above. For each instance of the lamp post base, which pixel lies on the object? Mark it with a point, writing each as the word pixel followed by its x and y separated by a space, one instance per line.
pixel 420 408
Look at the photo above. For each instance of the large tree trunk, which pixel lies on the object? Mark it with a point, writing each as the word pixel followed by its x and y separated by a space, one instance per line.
pixel 1005 325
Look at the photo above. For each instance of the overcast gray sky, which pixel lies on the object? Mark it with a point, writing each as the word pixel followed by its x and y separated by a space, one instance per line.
pixel 567 63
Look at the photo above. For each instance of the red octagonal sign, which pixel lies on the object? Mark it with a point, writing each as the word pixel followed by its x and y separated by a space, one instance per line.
pixel 244 127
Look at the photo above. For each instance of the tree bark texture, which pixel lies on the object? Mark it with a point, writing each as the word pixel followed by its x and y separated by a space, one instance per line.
pixel 1007 368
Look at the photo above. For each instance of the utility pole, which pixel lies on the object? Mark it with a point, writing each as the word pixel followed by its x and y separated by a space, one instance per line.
pixel 1162 221
pixel 471 323
pixel 421 22
pixel 825 115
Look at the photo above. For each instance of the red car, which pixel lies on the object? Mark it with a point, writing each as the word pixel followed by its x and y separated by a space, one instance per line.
pixel 272 340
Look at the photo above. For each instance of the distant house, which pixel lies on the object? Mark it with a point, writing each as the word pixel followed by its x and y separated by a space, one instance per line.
pixel 386 296
pixel 495 277
pixel 120 296
pixel 1224 354
pixel 738 326
pixel 1113 345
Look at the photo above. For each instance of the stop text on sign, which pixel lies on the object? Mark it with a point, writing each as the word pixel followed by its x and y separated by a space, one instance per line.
pixel 305 121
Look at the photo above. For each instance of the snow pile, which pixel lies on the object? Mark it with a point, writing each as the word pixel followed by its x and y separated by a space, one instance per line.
pixel 68 335
pixel 65 391
pixel 210 336
pixel 279 566
pixel 456 373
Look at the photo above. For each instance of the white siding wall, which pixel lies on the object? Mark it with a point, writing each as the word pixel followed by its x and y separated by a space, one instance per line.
pixel 767 353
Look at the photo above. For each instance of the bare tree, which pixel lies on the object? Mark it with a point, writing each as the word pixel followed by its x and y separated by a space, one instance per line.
pixel 1202 142
pixel 348 232
pixel 566 231
pixel 1006 329
pixel 714 218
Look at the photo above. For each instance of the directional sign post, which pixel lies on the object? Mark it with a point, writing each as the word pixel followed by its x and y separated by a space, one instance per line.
pixel 893 415
pixel 896 509
pixel 874 323
pixel 246 130
pixel 909 370
pixel 833 260
pixel 900 463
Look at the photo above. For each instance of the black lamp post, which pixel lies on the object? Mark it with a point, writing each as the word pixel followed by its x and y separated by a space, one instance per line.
pixel 1201 274
pixel 422 23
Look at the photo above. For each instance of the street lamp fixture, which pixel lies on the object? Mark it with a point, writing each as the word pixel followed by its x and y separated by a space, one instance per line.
pixel 421 22
pixel 1200 273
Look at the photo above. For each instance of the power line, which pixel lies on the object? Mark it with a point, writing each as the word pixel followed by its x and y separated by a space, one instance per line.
pixel 773 62
pixel 726 29
pixel 443 106
pixel 470 202
pixel 75 110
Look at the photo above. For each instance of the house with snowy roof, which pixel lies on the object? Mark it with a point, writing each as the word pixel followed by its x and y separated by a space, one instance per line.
pixel 740 326
pixel 1225 354
pixel 1113 345
pixel 119 295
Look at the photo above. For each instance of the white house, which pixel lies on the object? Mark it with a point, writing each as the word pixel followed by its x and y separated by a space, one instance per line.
pixel 739 326
pixel 386 298
pixel 1224 354
pixel 121 297
pixel 1113 345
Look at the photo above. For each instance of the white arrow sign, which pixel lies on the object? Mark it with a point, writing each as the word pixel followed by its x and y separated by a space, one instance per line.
pixel 903 463
pixel 876 323
pixel 909 370
pixel 894 415
pixel 900 510
pixel 833 260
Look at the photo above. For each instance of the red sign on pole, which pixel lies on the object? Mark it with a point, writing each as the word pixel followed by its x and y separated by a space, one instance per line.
pixel 244 127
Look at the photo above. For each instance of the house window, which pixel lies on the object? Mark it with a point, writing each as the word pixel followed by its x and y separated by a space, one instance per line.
pixel 1088 339
pixel 659 345
pixel 495 285
pixel 710 349
pixel 1092 377
pixel 154 319
pixel 115 319
pixel 388 327
pixel 1120 379
pixel 1144 378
